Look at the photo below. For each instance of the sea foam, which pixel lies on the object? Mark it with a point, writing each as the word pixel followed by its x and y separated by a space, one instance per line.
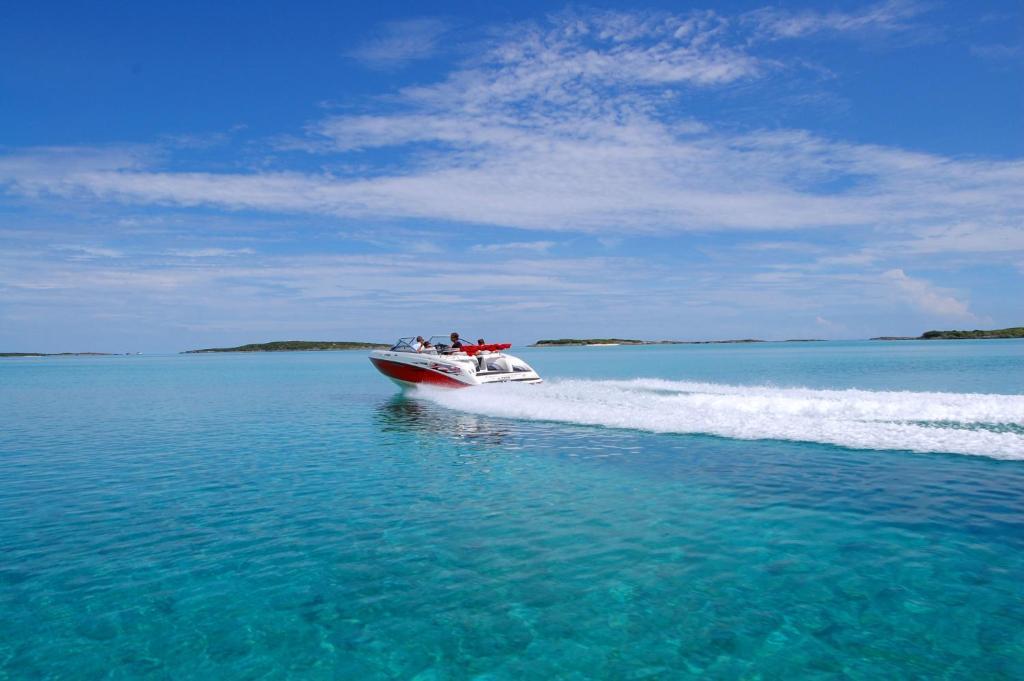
pixel 960 423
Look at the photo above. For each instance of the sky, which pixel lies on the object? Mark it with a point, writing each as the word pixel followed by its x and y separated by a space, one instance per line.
pixel 208 174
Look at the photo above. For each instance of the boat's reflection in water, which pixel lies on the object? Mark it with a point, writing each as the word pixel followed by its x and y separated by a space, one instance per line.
pixel 407 413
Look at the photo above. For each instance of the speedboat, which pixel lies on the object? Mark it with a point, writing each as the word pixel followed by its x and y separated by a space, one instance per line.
pixel 438 364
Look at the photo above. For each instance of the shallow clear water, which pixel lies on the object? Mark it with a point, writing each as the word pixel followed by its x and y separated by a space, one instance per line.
pixel 294 515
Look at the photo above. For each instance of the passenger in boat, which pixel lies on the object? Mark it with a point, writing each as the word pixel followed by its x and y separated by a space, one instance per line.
pixel 456 343
pixel 420 345
pixel 481 361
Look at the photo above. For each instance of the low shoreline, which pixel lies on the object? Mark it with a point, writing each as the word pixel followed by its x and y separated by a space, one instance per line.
pixel 1016 332
pixel 294 346
pixel 66 354
pixel 976 334
pixel 606 342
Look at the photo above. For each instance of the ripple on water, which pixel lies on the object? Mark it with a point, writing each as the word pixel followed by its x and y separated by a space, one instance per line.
pixel 397 538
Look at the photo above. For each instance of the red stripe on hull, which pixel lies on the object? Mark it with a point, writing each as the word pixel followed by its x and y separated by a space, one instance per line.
pixel 414 374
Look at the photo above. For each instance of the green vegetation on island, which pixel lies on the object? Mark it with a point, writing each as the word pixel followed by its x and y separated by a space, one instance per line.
pixel 547 343
pixel 978 334
pixel 292 346
pixel 1012 332
pixel 590 341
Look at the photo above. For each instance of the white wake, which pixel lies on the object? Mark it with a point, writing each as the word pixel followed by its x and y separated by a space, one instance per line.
pixel 961 423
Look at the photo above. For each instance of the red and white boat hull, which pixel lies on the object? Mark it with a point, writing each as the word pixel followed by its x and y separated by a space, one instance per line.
pixel 458 370
pixel 408 374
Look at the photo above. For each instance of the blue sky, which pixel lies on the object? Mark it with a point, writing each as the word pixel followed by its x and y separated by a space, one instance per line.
pixel 195 175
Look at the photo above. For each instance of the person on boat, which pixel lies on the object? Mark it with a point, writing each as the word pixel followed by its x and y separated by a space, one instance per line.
pixel 481 361
pixel 419 345
pixel 456 343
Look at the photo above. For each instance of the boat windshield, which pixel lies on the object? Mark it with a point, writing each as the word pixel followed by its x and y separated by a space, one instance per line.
pixel 440 342
pixel 409 344
pixel 405 345
pixel 435 344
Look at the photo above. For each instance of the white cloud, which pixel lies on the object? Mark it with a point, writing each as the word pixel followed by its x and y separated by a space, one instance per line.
pixel 580 125
pixel 794 246
pixel 848 260
pixel 249 293
pixel 43 169
pixel 401 42
pixel 828 324
pixel 279 288
pixel 967 237
pixel 927 297
pixel 998 52
pixel 889 16
pixel 89 252
pixel 606 176
pixel 535 246
pixel 423 246
pixel 208 252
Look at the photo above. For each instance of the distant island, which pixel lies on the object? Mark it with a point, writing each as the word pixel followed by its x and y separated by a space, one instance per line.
pixel 594 341
pixel 292 346
pixel 547 343
pixel 978 334
pixel 59 354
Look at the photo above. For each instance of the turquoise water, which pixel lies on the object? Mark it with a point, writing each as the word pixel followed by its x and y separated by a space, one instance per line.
pixel 295 516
